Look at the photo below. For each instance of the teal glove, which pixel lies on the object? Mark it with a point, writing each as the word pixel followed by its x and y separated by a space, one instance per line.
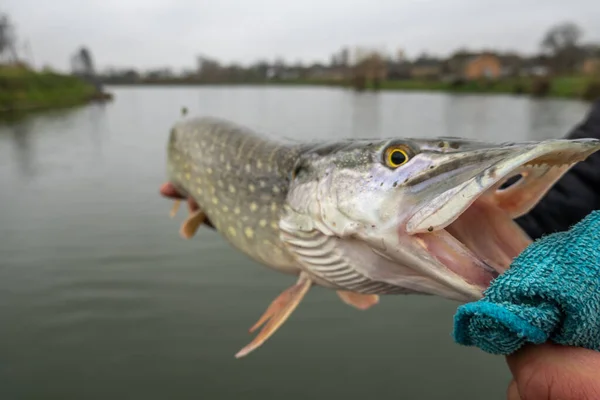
pixel 550 293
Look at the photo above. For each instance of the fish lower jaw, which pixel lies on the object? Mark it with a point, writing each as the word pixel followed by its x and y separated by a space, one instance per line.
pixel 478 246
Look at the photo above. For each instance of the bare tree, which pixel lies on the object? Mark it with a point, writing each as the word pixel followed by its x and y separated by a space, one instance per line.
pixel 562 36
pixel 561 42
pixel 209 69
pixel 7 39
pixel 82 64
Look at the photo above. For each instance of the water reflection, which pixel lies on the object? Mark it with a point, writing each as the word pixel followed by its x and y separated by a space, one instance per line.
pixel 489 118
pixel 98 127
pixel 466 116
pixel 366 118
pixel 546 115
pixel 20 135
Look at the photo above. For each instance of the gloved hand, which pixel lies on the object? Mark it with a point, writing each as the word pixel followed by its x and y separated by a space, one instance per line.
pixel 550 293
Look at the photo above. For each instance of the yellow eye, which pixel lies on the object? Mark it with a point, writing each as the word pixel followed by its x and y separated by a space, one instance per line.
pixel 396 157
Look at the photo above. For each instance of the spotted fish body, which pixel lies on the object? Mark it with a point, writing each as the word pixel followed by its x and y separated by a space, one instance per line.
pixel 240 182
pixel 364 217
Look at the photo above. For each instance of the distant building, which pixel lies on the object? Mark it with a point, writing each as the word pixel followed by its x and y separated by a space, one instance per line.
pixel 398 70
pixel 426 68
pixel 371 66
pixel 511 64
pixel 484 66
pixel 319 71
pixel 283 73
pixel 535 66
pixel 472 66
pixel 591 66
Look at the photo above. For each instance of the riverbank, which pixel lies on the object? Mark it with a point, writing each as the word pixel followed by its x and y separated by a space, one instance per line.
pixel 24 90
pixel 572 87
pixel 569 87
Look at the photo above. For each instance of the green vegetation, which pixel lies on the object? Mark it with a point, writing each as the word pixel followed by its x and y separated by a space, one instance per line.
pixel 575 87
pixel 571 87
pixel 22 90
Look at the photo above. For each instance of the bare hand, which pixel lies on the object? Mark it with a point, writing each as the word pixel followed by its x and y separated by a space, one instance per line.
pixel 553 372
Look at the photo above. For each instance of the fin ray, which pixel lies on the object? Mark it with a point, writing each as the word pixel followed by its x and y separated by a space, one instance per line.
pixel 175 208
pixel 190 226
pixel 278 314
pixel 275 305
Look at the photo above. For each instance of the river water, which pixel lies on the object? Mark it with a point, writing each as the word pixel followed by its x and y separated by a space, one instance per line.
pixel 101 299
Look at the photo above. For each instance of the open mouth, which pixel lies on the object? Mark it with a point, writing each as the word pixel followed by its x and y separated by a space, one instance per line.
pixel 478 239
pixel 479 245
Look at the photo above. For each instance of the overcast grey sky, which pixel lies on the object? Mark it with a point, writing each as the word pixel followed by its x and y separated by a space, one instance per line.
pixel 156 33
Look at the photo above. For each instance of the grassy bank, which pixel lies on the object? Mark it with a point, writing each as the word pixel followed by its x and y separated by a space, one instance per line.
pixel 24 90
pixel 570 87
pixel 573 87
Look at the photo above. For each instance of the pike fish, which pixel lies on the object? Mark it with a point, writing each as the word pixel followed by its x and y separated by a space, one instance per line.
pixel 363 217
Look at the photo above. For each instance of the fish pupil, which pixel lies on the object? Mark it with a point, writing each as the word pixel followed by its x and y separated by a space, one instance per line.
pixel 398 157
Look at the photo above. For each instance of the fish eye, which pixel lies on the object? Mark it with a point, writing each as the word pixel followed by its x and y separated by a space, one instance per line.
pixel 396 157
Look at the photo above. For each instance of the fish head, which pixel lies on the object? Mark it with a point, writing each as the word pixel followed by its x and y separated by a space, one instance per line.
pixel 444 208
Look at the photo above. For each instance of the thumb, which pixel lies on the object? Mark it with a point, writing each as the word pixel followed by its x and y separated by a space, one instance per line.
pixel 513 391
pixel 551 371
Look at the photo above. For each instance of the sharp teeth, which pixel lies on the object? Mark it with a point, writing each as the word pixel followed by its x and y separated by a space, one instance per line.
pixel 557 164
pixel 544 164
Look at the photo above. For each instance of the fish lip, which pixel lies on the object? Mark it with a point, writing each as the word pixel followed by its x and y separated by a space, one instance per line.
pixel 455 201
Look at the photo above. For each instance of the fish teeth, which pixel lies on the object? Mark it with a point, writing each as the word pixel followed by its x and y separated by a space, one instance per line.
pixel 547 164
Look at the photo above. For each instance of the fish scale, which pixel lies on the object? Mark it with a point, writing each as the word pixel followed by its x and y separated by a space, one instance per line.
pixel 244 200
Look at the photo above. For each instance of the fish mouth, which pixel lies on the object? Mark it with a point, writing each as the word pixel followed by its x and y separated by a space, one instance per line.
pixel 470 228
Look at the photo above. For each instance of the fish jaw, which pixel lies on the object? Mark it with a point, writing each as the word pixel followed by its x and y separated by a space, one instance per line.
pixel 469 229
pixel 444 214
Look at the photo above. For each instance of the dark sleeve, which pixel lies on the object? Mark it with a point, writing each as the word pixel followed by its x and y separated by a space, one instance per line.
pixel 576 194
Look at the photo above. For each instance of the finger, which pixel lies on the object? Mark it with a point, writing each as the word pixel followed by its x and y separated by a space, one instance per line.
pixel 513 391
pixel 168 190
pixel 552 371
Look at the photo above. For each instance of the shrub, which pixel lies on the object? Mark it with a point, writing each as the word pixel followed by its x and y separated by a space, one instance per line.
pixel 592 91
pixel 540 87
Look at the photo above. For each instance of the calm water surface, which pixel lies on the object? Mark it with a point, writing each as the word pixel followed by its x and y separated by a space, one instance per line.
pixel 101 299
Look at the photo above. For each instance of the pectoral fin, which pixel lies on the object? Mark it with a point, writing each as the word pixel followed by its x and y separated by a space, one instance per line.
pixel 277 313
pixel 175 208
pixel 357 300
pixel 191 224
